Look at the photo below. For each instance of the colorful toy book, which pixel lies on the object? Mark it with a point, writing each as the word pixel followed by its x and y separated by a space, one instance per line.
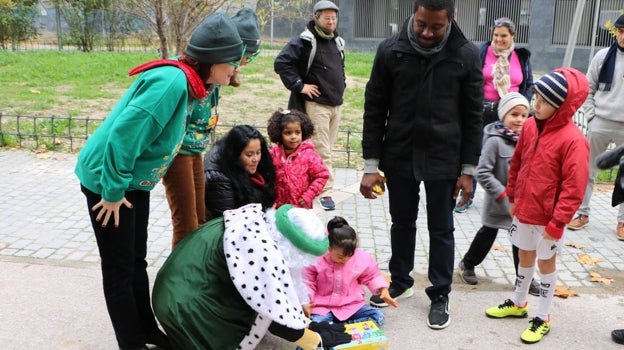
pixel 364 336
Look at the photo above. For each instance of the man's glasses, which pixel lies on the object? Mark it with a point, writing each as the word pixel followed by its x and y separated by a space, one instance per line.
pixel 252 56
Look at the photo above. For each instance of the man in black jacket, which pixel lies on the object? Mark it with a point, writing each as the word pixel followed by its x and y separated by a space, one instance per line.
pixel 422 123
pixel 311 66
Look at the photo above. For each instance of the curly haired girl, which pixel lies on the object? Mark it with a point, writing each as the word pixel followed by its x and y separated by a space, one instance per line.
pixel 300 174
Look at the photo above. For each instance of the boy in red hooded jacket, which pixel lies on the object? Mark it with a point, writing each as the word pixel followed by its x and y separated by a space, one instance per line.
pixel 547 179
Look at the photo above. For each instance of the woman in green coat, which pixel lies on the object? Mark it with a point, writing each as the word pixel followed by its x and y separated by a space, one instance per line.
pixel 126 157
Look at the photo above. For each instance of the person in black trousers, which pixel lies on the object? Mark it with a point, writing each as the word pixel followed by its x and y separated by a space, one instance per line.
pixel 499 143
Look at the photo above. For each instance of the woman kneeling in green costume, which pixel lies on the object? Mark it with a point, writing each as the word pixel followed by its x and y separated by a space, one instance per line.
pixel 238 276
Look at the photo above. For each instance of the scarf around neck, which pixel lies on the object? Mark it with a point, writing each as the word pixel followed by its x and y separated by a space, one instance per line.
pixel 503 130
pixel 322 32
pixel 196 86
pixel 427 52
pixel 605 77
pixel 500 71
pixel 258 179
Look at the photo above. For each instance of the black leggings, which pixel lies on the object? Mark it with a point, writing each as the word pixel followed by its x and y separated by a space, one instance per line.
pixel 481 245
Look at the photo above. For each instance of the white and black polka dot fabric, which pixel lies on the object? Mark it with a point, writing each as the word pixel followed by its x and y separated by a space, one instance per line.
pixel 258 271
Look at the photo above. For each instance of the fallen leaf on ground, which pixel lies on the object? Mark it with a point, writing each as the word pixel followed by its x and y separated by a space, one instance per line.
pixel 596 277
pixel 574 245
pixel 585 259
pixel 564 292
pixel 498 247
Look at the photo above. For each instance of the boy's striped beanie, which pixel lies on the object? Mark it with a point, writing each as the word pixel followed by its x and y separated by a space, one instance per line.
pixel 553 88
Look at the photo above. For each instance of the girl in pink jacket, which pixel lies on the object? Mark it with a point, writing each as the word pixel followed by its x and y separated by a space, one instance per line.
pixel 300 174
pixel 335 282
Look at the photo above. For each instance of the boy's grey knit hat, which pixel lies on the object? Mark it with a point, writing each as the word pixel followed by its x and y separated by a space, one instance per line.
pixel 509 101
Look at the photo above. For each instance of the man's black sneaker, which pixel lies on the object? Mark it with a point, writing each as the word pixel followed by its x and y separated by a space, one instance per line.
pixel 534 289
pixel 618 336
pixel 468 275
pixel 327 203
pixel 396 294
pixel 439 316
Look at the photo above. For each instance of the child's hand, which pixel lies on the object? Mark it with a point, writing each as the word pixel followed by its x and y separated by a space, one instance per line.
pixel 303 203
pixel 546 247
pixel 385 296
pixel 307 309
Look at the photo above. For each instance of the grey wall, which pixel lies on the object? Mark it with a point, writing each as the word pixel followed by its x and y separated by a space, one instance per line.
pixel 545 56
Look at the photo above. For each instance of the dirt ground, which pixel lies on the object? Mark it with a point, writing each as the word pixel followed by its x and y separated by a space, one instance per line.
pixel 252 103
pixel 603 187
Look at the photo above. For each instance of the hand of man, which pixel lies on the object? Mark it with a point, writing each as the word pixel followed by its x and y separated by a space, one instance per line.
pixel 311 91
pixel 368 181
pixel 464 183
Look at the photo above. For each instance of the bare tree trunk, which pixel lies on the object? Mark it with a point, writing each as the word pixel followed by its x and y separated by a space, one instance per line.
pixel 160 28
pixel 174 21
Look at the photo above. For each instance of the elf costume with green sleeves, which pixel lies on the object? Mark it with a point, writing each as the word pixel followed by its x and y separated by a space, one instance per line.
pixel 115 160
pixel 235 277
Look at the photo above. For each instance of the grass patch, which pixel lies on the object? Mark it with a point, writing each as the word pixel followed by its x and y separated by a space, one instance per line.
pixel 85 86
pixel 607 175
pixel 40 81
pixel 55 82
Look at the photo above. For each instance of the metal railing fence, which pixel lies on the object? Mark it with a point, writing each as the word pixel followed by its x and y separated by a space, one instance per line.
pixel 68 134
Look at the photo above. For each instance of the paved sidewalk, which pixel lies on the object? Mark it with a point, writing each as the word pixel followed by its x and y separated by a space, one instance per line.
pixel 51 290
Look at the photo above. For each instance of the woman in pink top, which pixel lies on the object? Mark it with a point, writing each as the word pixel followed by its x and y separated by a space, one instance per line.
pixel 506 68
pixel 300 174
pixel 335 282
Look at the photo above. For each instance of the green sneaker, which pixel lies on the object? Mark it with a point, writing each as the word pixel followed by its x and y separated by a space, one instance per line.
pixel 536 330
pixel 507 309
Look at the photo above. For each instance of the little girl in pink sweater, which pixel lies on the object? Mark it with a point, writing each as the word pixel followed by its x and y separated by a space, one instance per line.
pixel 335 282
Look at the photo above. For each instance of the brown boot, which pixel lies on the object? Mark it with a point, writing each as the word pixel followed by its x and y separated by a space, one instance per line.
pixel 619 231
pixel 578 222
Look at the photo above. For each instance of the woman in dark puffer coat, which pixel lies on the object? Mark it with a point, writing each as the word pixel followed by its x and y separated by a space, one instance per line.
pixel 238 170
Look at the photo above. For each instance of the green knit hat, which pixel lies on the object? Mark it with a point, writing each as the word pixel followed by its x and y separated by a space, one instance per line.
pixel 216 40
pixel 246 22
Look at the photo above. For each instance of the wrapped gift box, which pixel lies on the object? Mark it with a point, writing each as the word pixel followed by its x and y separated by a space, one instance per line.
pixel 364 336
